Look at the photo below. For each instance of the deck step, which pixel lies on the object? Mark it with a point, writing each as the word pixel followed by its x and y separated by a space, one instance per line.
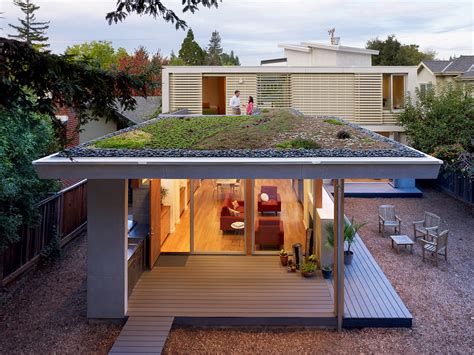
pixel 142 335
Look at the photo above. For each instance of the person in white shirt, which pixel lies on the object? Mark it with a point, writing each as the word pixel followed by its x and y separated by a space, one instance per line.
pixel 235 103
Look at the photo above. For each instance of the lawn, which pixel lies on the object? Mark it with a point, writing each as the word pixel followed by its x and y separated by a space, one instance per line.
pixel 277 129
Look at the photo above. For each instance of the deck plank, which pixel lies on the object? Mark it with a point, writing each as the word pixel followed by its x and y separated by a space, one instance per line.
pixel 142 335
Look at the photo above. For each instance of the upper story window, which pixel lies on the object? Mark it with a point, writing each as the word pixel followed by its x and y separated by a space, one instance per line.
pixel 394 91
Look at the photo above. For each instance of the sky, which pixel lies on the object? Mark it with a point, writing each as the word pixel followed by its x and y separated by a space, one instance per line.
pixel 253 29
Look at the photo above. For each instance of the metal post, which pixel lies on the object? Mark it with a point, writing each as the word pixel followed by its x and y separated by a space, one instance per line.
pixel 339 251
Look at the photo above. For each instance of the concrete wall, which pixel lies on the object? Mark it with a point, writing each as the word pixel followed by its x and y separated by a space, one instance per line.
pixel 297 58
pixel 107 211
pixel 95 129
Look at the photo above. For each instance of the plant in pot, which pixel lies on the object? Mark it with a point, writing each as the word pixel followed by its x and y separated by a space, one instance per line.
pixel 308 269
pixel 327 271
pixel 284 257
pixel 164 193
pixel 350 231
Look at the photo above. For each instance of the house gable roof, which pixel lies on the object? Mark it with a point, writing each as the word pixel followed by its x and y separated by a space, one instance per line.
pixel 456 66
pixel 145 109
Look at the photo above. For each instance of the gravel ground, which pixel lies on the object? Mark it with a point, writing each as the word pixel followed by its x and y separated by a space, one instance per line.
pixel 45 312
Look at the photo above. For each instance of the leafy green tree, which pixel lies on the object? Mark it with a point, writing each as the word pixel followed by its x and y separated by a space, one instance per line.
pixel 231 59
pixel 191 53
pixel 441 123
pixel 29 29
pixel 214 50
pixel 156 8
pixel 24 136
pixel 57 81
pixel 175 60
pixel 100 53
pixel 392 52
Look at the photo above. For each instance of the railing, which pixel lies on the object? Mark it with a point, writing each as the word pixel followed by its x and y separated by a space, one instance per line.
pixel 457 185
pixel 65 211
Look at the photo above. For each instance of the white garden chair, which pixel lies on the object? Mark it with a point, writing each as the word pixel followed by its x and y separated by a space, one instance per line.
pixel 388 218
pixel 429 224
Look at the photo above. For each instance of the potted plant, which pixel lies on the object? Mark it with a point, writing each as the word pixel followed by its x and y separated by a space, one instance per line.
pixel 164 193
pixel 327 271
pixel 293 268
pixel 308 269
pixel 312 258
pixel 350 231
pixel 284 257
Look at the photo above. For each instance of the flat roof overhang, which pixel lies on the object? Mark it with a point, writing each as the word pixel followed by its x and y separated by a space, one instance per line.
pixel 53 166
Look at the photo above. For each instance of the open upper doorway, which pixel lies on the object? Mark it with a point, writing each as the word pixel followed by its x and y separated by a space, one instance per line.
pixel 213 95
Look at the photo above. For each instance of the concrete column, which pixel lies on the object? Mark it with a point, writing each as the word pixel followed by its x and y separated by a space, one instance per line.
pixel 107 205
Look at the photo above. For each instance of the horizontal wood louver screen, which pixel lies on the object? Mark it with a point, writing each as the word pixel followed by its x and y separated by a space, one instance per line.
pixel 323 94
pixel 390 117
pixel 273 90
pixel 368 99
pixel 246 83
pixel 186 92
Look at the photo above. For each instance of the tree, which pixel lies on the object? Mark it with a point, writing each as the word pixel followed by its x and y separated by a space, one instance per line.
pixel 156 8
pixel 57 81
pixel 30 30
pixel 140 63
pixel 99 53
pixel 214 50
pixel 24 136
pixel 441 123
pixel 231 59
pixel 174 60
pixel 392 52
pixel 191 53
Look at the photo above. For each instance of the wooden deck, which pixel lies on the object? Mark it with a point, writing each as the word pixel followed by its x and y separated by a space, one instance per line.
pixel 369 298
pixel 143 335
pixel 234 289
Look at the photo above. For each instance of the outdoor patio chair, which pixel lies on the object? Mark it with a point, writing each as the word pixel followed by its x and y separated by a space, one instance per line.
pixel 388 218
pixel 436 244
pixel 429 224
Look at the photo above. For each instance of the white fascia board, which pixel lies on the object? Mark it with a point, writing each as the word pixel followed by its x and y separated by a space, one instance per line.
pixel 294 47
pixel 173 168
pixel 341 48
pixel 288 69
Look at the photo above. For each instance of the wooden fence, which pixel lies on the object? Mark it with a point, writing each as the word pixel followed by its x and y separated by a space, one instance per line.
pixel 457 185
pixel 65 211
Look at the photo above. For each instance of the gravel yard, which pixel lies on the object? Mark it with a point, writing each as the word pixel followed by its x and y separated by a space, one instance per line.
pixel 45 312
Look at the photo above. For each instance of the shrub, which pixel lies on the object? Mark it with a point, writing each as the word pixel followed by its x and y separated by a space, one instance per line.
pixel 52 252
pixel 343 134
pixel 334 122
pixel 308 267
pixel 299 143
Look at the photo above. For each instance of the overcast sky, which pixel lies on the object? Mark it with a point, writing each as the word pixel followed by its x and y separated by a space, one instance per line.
pixel 254 28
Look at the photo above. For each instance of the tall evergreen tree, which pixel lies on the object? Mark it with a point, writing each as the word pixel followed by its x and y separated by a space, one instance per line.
pixel 191 53
pixel 29 29
pixel 214 50
pixel 231 59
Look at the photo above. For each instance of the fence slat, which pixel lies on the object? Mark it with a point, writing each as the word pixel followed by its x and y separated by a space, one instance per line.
pixel 457 185
pixel 66 210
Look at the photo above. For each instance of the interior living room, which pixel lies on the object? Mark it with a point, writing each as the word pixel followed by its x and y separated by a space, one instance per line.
pixel 281 214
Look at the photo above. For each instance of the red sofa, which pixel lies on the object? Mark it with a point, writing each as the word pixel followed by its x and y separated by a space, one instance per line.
pixel 274 202
pixel 269 231
pixel 226 218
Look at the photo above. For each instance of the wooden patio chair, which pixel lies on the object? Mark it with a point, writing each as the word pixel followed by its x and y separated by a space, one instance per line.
pixel 429 224
pixel 436 244
pixel 388 218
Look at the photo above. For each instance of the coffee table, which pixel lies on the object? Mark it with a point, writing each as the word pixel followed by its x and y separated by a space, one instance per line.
pixel 402 239
pixel 237 225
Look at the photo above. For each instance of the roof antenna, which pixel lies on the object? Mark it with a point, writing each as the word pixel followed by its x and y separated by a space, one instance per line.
pixel 333 40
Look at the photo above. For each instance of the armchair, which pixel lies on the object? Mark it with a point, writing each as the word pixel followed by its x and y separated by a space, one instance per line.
pixel 436 244
pixel 269 231
pixel 429 224
pixel 274 200
pixel 388 218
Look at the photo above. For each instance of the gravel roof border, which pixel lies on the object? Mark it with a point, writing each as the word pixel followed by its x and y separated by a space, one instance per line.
pixel 398 150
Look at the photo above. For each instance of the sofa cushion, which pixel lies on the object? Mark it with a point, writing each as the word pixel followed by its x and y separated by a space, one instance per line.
pixel 233 212
pixel 235 204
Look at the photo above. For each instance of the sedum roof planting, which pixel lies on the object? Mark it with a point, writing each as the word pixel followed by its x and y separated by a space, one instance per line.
pixel 272 133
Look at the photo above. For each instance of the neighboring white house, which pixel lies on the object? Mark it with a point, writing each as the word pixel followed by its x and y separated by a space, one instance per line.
pixel 312 54
pixel 437 72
